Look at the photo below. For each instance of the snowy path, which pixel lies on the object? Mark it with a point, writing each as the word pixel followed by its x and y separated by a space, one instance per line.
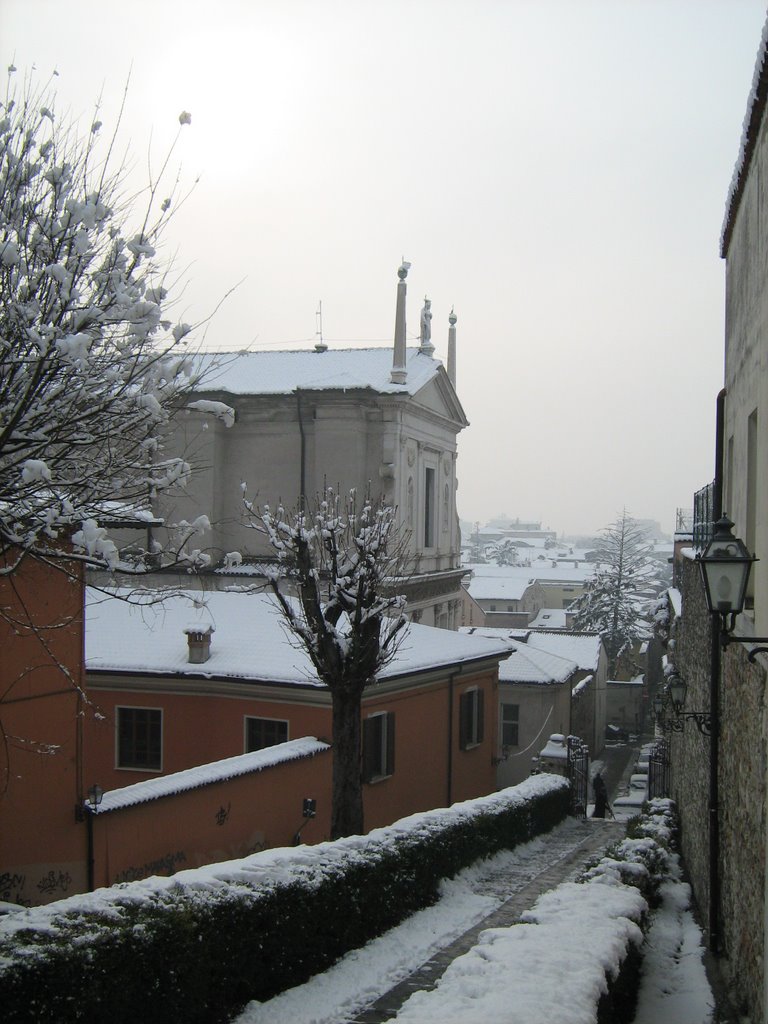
pixel 674 987
pixel 340 994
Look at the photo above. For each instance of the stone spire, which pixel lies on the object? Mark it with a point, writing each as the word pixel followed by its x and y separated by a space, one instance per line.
pixel 399 373
pixel 452 348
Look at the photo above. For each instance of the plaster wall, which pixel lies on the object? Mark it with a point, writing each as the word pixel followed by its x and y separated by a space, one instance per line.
pixel 746 372
pixel 218 822
pixel 543 710
pixel 41 705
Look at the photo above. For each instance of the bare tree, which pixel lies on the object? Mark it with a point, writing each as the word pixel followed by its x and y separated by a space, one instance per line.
pixel 90 365
pixel 338 559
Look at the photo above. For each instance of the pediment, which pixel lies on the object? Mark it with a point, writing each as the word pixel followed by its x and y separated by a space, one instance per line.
pixel 439 396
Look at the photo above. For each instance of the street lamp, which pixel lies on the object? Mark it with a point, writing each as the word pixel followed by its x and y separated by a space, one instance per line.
pixel 725 566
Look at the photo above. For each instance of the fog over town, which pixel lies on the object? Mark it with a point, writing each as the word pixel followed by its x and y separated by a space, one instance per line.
pixel 557 172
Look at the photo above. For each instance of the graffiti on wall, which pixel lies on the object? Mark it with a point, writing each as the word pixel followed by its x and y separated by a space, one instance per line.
pixel 54 882
pixel 12 885
pixel 164 865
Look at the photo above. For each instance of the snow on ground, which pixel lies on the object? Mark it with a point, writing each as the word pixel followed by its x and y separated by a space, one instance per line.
pixel 674 987
pixel 365 974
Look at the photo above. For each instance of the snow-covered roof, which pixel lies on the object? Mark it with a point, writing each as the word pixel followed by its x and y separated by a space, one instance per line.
pixel 532 667
pixel 582 648
pixel 250 642
pixel 493 588
pixel 284 373
pixel 511 581
pixel 550 618
pixel 205 774
pixel 749 135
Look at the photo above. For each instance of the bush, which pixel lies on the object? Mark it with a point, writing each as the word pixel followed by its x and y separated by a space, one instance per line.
pixel 198 946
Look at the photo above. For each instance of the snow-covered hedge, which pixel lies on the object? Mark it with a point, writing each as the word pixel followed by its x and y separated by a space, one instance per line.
pixel 199 945
pixel 575 958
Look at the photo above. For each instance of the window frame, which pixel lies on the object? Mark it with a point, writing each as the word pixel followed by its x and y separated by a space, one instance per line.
pixel 378 746
pixel 263 718
pixel 503 722
pixel 133 708
pixel 429 536
pixel 471 718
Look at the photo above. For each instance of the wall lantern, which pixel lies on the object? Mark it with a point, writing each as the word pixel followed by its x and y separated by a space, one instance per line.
pixel 95 796
pixel 725 566
pixel 675 694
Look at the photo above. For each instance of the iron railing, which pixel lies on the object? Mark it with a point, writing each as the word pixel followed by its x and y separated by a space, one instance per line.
pixel 703 516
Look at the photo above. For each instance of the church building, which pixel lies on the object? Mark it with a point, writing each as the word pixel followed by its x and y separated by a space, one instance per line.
pixel 383 421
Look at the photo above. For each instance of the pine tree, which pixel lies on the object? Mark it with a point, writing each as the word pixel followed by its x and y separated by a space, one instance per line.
pixel 615 600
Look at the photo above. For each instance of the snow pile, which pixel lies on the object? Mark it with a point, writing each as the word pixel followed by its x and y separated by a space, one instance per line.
pixel 551 967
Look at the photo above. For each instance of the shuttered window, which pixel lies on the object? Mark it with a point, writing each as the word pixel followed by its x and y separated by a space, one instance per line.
pixel 379 746
pixel 471 719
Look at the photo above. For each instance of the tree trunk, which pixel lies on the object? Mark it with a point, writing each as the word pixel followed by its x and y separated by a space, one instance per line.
pixel 347 794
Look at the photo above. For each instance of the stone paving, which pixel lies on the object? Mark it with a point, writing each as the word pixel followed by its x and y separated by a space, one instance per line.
pixel 570 851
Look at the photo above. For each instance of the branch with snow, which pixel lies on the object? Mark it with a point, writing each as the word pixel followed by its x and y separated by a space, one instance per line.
pixel 91 367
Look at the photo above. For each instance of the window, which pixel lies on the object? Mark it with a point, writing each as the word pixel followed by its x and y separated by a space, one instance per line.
pixel 470 719
pixel 510 721
pixel 264 732
pixel 378 746
pixel 429 507
pixel 139 739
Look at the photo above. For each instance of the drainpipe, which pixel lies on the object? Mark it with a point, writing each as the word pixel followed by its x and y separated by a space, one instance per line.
pixel 302 456
pixel 89 827
pixel 714 706
pixel 451 682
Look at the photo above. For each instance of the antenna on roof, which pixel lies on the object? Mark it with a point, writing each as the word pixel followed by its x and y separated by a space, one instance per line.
pixel 320 345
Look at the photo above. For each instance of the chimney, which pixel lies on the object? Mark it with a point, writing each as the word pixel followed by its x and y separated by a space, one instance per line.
pixel 399 373
pixel 452 348
pixel 199 643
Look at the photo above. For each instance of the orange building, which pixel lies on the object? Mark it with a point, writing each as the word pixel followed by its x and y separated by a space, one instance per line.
pixel 426 739
pixel 42 711
pixel 213 680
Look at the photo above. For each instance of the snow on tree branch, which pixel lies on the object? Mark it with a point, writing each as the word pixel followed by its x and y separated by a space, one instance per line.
pixel 91 365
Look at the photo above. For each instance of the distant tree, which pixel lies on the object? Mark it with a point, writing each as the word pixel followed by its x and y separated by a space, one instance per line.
pixel 340 561
pixel 504 552
pixel 90 365
pixel 615 600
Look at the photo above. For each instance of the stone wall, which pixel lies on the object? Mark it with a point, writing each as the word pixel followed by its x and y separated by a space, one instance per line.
pixel 741 783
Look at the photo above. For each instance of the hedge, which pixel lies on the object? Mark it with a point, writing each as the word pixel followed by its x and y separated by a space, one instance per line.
pixel 198 946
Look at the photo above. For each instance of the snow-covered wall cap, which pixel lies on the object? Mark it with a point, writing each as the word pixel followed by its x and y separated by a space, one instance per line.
pixel 749 136
pixel 208 774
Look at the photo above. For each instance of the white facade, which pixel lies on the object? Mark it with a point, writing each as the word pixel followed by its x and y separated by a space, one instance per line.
pixel 307 420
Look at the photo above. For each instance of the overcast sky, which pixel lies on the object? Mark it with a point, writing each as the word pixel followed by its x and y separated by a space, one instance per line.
pixel 556 170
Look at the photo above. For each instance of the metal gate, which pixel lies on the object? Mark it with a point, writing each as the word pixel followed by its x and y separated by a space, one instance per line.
pixel 578 775
pixel 659 771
